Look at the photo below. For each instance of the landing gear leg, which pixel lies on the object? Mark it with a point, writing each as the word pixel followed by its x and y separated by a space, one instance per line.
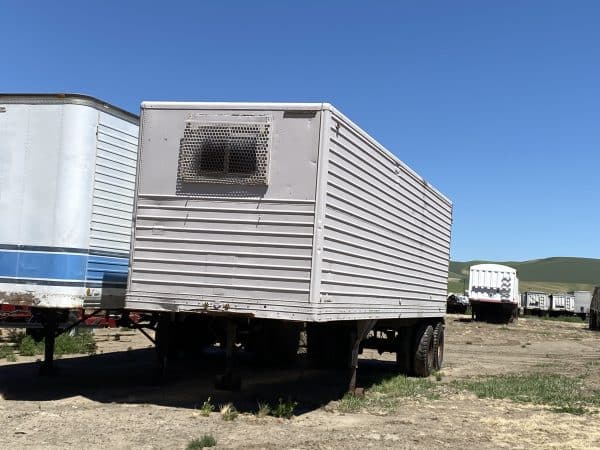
pixel 363 327
pixel 229 380
pixel 50 322
pixel 163 343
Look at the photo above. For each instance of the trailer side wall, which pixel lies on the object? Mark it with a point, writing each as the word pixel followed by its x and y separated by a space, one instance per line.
pixel 386 237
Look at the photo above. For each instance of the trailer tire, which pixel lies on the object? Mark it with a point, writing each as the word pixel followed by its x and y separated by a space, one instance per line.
pixel 424 351
pixel 438 346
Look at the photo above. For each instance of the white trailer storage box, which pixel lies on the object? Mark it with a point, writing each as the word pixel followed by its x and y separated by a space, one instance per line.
pixel 281 211
pixel 583 299
pixel 535 301
pixel 493 292
pixel 562 303
pixel 67 172
pixel 493 283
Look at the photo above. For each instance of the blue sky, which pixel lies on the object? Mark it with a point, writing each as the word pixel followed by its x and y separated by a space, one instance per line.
pixel 495 103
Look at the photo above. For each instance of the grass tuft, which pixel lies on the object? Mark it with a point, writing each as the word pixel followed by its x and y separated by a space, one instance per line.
pixel 28 347
pixel 6 351
pixel 564 394
pixel 228 412
pixel 206 408
pixel 284 409
pixel 263 410
pixel 351 403
pixel 401 387
pixel 387 393
pixel 82 341
pixel 205 441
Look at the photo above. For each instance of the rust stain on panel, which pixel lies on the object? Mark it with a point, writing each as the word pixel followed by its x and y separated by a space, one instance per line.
pixel 18 298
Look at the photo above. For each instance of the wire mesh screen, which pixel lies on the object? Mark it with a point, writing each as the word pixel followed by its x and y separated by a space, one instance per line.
pixel 235 151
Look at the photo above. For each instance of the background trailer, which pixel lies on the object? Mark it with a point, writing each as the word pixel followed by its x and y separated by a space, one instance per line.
pixel 494 293
pixel 67 173
pixel 252 219
pixel 535 303
pixel 562 304
pixel 582 302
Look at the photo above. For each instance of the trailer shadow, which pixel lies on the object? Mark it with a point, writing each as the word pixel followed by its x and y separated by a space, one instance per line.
pixel 130 378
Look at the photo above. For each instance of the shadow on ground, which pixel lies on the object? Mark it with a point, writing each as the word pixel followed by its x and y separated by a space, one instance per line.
pixel 130 377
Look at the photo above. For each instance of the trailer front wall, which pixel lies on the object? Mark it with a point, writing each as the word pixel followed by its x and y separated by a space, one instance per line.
pixel 386 238
pixel 218 246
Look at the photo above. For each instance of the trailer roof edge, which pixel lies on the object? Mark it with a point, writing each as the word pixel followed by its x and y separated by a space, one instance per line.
pixel 68 98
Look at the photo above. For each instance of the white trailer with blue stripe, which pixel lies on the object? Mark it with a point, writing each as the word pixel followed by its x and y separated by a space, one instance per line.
pixel 67 176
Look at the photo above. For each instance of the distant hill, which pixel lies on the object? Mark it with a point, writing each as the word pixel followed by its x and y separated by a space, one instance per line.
pixel 548 275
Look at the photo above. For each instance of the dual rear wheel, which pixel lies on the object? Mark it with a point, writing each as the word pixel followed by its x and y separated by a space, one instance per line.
pixel 427 351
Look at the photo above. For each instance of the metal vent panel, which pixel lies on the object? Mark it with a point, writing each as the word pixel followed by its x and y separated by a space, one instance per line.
pixel 225 149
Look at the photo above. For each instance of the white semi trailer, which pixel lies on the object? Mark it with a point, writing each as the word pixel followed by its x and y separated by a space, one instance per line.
pixel 562 304
pixel 582 301
pixel 493 293
pixel 255 220
pixel 535 303
pixel 67 172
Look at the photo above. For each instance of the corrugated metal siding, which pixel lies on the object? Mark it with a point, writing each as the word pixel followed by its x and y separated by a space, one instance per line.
pixel 387 234
pixel 242 251
pixel 114 182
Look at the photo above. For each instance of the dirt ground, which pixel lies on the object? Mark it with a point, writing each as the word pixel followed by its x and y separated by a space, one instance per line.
pixel 111 400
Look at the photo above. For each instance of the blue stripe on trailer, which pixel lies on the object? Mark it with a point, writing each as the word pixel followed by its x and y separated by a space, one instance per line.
pixel 21 266
pixel 46 265
pixel 107 269
pixel 9 262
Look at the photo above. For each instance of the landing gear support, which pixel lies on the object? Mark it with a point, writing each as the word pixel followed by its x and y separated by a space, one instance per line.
pixel 229 380
pixel 363 327
pixel 163 345
pixel 50 323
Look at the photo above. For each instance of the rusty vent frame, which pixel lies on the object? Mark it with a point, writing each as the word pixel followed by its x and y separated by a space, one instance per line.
pixel 226 149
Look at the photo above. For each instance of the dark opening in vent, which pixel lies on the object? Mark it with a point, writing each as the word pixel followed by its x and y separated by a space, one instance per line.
pixel 224 153
pixel 212 156
pixel 242 154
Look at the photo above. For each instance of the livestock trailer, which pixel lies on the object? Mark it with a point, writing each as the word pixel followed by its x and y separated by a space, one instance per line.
pixel 582 300
pixel 535 303
pixel 67 175
pixel 253 219
pixel 493 292
pixel 562 304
